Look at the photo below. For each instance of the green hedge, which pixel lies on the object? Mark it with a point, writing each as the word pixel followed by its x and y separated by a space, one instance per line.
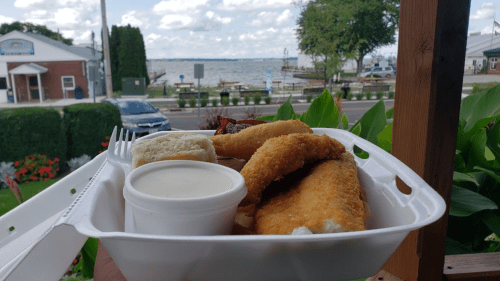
pixel 86 126
pixel 31 130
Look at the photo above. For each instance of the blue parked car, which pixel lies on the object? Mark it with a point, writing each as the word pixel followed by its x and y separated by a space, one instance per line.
pixel 140 116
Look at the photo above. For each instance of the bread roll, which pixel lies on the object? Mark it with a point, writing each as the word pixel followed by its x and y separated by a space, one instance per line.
pixel 173 146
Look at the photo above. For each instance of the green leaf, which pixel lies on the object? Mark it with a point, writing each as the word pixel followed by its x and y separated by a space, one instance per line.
pixel 476 157
pixel 384 138
pixel 389 114
pixel 373 122
pixel 454 247
pixel 489 172
pixel 461 177
pixel 356 129
pixel 492 221
pixel 89 253
pixel 322 113
pixel 459 161
pixel 479 109
pixel 270 118
pixel 345 122
pixel 465 202
pixel 493 141
pixel 285 111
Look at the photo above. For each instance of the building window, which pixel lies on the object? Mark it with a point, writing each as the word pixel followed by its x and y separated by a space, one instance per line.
pixel 68 82
pixel 3 83
pixel 493 63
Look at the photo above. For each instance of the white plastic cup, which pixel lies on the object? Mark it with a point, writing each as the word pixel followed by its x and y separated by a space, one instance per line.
pixel 207 215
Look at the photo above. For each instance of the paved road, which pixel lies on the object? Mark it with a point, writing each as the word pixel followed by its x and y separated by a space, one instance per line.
pixel 188 119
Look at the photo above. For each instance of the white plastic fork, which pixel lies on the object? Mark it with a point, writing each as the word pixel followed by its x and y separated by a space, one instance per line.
pixel 118 155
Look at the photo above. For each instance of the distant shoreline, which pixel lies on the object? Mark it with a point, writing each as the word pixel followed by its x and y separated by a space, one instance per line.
pixel 220 59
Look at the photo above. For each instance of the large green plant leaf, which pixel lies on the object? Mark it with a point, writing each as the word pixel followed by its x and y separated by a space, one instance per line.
pixel 89 254
pixel 384 138
pixel 454 247
pixel 461 177
pixel 492 174
pixel 269 118
pixel 322 112
pixel 373 122
pixel 356 129
pixel 459 161
pixel 389 114
pixel 476 155
pixel 345 122
pixel 492 221
pixel 285 111
pixel 493 141
pixel 480 109
pixel 465 202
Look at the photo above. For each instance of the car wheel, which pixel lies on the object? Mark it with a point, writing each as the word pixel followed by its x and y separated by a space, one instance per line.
pixel 388 76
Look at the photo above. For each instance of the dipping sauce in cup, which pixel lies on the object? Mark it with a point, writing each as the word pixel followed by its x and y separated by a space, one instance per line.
pixel 182 197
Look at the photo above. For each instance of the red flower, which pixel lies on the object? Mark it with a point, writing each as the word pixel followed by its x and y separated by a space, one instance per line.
pixel 104 144
pixel 107 138
pixel 23 171
pixel 56 159
pixel 50 162
pixel 32 165
pixel 35 178
pixel 51 175
pixel 16 163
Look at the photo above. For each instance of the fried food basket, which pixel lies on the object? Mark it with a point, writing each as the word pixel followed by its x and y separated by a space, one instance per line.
pixel 99 212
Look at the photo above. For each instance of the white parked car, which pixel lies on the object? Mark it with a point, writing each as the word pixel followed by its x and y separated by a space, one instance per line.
pixel 381 71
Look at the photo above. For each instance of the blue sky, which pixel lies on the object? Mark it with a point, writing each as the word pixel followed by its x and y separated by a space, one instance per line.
pixel 197 28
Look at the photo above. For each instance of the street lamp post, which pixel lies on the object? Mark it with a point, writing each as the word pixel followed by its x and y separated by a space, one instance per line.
pixel 105 46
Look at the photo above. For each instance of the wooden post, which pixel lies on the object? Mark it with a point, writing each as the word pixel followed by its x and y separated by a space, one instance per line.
pixel 431 55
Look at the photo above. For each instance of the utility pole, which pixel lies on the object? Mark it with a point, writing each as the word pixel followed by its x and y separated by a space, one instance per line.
pixel 105 46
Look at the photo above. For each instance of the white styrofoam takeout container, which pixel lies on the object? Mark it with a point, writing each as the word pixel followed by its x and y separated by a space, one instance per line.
pixel 338 256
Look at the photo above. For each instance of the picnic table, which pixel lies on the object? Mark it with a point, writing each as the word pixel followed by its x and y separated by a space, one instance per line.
pixel 274 82
pixel 184 85
pixel 228 83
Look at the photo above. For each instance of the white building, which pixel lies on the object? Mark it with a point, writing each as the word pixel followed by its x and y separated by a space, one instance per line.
pixel 476 44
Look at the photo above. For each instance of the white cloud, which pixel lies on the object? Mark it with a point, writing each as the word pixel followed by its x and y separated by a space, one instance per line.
pixel 26 3
pixel 66 16
pixel 4 19
pixel 209 14
pixel 134 19
pixel 272 18
pixel 487 11
pixel 248 5
pixel 263 34
pixel 171 22
pixel 178 6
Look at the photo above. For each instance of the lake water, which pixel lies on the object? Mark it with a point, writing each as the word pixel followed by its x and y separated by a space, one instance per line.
pixel 250 72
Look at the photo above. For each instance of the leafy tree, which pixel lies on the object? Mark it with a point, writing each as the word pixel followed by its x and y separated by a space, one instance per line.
pixel 318 33
pixel 114 46
pixel 34 28
pixel 332 30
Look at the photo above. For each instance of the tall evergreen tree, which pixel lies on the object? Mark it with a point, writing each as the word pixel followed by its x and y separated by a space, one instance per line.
pixel 114 47
pixel 33 28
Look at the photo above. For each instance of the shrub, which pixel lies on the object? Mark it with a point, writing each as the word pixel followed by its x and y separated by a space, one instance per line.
pixel 192 102
pixel 349 96
pixel 339 94
pixel 181 103
pixel 235 100
pixel 31 130
pixel 309 98
pixel 225 101
pixel 215 102
pixel 379 95
pixel 477 88
pixel 210 118
pixel 203 102
pixel 36 167
pixel 257 98
pixel 390 95
pixel 87 125
pixel 246 99
pixel 359 96
pixel 368 95
pixel 268 99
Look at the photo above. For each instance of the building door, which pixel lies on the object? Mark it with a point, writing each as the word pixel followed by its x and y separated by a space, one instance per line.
pixel 34 90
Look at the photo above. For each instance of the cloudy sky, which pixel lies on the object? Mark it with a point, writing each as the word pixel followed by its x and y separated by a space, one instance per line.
pixel 196 28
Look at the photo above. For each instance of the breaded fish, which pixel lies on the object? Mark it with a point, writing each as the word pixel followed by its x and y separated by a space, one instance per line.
pixel 244 143
pixel 282 155
pixel 327 200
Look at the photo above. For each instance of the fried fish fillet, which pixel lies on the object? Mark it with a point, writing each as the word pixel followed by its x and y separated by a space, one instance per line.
pixel 281 155
pixel 327 200
pixel 243 144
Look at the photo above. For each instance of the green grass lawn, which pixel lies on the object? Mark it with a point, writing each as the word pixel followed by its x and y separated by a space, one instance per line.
pixel 8 200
